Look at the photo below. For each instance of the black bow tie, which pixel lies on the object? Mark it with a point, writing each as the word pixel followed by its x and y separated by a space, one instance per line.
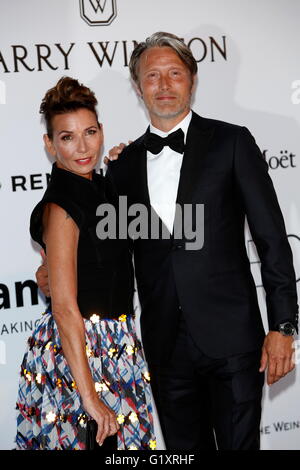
pixel 154 143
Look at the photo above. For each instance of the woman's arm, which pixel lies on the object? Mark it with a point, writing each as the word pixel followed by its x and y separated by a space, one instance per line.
pixel 61 236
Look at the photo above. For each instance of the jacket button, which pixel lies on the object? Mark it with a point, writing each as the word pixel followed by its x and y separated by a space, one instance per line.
pixel 177 247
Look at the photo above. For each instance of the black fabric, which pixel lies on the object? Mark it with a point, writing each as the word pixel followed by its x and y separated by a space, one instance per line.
pixel 105 273
pixel 155 143
pixel 110 444
pixel 223 169
pixel 209 375
pixel 195 394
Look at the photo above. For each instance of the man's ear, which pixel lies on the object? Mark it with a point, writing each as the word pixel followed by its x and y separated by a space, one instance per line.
pixel 194 83
pixel 138 90
pixel 49 145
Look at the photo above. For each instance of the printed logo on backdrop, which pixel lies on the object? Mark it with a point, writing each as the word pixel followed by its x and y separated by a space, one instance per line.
pixel 29 182
pixel 255 263
pixel 280 426
pixel 98 12
pixel 20 294
pixel 19 58
pixel 283 159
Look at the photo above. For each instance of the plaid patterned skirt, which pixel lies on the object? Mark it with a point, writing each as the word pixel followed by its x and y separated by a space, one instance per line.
pixel 50 415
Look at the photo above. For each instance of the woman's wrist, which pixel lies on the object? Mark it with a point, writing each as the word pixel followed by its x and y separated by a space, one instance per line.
pixel 89 397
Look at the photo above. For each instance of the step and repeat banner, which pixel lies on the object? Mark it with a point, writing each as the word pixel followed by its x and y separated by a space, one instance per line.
pixel 249 74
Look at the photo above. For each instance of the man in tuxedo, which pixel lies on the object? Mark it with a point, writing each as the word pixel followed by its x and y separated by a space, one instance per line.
pixel 201 325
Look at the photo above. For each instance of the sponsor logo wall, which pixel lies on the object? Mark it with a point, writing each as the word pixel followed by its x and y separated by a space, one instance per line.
pixel 248 74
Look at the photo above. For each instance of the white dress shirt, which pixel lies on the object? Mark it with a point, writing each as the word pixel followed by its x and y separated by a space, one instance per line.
pixel 163 172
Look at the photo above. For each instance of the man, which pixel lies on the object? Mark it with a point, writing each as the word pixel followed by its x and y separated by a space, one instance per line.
pixel 201 326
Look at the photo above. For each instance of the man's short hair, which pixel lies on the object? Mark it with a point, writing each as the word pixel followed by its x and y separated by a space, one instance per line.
pixel 162 39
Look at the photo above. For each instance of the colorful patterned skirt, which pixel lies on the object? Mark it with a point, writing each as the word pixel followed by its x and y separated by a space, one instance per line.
pixel 50 415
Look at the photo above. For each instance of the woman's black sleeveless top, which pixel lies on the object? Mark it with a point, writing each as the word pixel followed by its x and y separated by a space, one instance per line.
pixel 105 274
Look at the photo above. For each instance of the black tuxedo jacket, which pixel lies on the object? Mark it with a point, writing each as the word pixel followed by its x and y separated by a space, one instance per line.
pixel 213 287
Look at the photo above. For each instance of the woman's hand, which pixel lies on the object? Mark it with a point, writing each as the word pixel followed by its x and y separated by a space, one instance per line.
pixel 42 276
pixel 104 416
pixel 114 153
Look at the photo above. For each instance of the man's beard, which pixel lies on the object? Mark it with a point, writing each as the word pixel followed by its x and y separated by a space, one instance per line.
pixel 170 114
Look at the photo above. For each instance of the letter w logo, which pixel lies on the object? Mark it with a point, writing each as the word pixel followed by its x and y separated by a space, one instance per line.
pixel 98 12
pixel 97 4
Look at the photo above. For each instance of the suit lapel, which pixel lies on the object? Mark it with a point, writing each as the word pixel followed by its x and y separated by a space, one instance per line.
pixel 198 140
pixel 141 184
pixel 139 171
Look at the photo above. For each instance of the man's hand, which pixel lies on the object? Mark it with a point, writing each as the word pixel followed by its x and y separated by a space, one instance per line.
pixel 114 153
pixel 42 276
pixel 277 356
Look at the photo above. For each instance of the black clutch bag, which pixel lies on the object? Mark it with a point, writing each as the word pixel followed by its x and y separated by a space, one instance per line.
pixel 110 443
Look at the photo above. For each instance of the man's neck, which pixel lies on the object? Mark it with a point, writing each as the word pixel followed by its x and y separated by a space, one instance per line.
pixel 166 124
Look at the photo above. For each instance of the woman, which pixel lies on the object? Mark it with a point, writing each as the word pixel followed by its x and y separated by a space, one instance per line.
pixel 84 360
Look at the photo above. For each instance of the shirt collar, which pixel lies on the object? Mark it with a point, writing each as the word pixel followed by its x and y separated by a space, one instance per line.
pixel 184 124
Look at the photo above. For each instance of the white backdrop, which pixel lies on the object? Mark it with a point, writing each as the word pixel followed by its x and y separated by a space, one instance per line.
pixel 248 52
